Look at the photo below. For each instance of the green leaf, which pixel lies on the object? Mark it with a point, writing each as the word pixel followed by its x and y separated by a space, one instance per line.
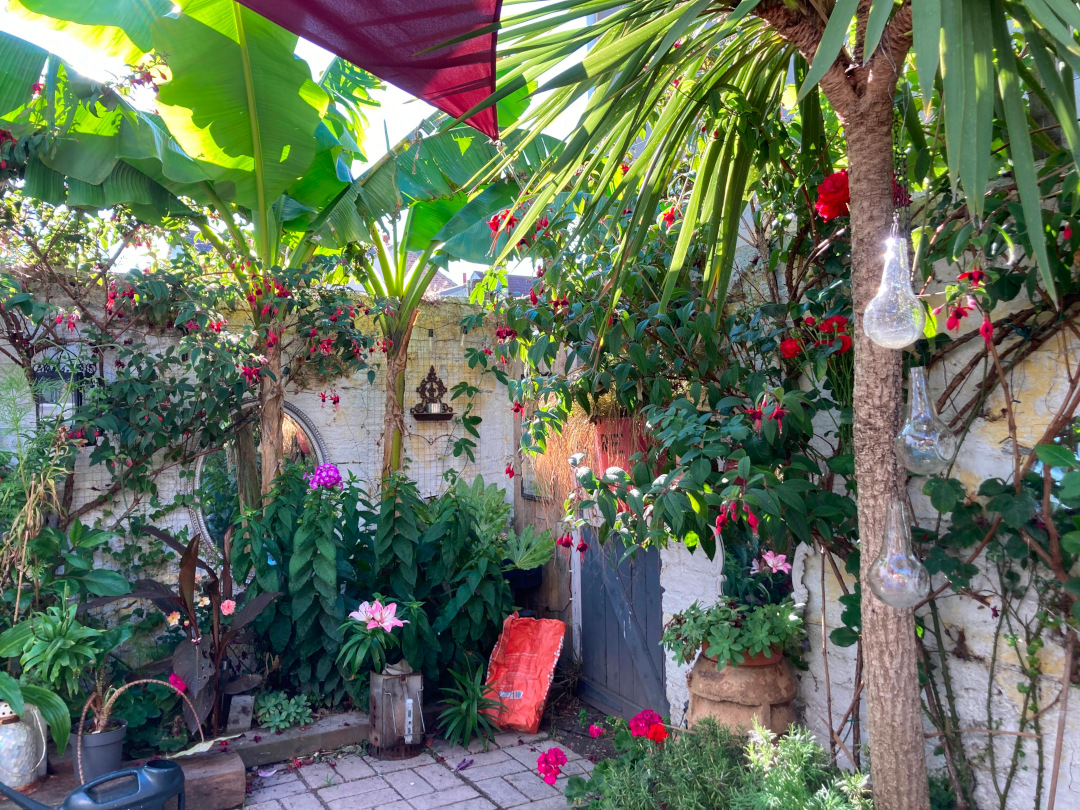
pixel 1056 455
pixel 833 38
pixel 880 10
pixel 54 710
pixel 1071 542
pixel 10 691
pixel 944 494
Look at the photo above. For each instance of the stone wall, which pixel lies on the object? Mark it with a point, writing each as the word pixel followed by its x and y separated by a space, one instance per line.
pixel 351 434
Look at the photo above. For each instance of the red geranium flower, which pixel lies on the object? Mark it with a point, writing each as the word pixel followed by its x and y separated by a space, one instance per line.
pixel 790 348
pixel 657 733
pixel 833 196
pixel 644 720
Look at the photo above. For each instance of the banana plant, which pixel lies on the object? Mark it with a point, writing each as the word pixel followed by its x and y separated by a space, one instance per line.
pixel 241 128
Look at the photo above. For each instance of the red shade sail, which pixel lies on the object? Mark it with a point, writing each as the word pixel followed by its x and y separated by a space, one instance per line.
pixel 392 38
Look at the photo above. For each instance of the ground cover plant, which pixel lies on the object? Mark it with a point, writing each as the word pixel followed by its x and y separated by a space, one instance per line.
pixel 710 767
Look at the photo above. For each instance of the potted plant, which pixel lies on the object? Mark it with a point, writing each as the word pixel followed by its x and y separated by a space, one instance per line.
pixel 737 643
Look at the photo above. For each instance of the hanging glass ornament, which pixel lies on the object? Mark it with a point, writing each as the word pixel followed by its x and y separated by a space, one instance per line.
pixel 897 577
pixel 895 317
pixel 925 444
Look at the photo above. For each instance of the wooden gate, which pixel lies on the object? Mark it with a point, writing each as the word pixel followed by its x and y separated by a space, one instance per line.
pixel 622 662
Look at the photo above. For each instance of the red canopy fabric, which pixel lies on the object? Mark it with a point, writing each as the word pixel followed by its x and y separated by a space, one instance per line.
pixel 391 38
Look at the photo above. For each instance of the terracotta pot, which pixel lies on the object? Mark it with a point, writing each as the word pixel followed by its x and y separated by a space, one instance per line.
pixel 759 660
pixel 762 688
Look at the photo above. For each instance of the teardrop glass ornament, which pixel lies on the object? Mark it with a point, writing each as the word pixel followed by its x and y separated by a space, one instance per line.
pixel 925 444
pixel 897 577
pixel 894 318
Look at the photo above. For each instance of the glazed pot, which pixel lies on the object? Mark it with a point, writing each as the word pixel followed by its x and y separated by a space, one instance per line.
pixel 101 753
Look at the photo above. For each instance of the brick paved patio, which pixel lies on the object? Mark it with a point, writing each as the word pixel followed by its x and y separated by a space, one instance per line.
pixel 504 776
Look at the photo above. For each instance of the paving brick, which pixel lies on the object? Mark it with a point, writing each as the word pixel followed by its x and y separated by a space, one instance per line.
pixel 438 776
pixel 501 792
pixel 376 800
pixel 529 753
pixel 391 765
pixel 302 801
pixel 279 791
pixel 532 785
pixel 488 758
pixel 472 804
pixel 270 805
pixel 555 803
pixel 356 788
pixel 507 739
pixel 509 765
pixel 444 798
pixel 353 767
pixel 279 777
pixel 320 775
pixel 408 784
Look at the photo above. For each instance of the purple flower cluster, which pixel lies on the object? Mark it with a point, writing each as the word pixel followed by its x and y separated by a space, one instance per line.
pixel 326 476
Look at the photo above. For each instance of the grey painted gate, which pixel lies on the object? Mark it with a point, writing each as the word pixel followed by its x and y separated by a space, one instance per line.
pixel 622 662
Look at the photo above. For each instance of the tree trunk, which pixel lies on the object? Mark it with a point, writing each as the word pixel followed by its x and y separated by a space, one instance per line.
pixel 897 747
pixel 394 413
pixel 247 464
pixel 271 413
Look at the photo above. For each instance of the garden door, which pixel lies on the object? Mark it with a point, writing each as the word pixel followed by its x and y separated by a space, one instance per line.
pixel 622 662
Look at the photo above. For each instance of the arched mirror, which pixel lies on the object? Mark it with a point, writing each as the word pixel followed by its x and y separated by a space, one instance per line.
pixel 219 475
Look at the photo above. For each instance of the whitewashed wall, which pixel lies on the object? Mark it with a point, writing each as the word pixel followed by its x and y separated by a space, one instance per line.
pixel 1038 387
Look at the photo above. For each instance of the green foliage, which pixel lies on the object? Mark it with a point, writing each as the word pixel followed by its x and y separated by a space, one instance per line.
pixel 276 711
pixel 469 704
pixel 710 767
pixel 154 722
pixel 442 562
pixel 731 631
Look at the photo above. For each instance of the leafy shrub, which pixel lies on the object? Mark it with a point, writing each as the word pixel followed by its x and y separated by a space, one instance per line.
pixel 276 711
pixel 467 703
pixel 731 631
pixel 442 561
pixel 711 767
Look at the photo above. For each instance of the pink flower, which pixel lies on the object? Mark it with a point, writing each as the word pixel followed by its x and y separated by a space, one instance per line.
pixel 776 563
pixel 596 731
pixel 1066 232
pixel 362 613
pixel 549 764
pixel 383 616
pixel 509 470
pixel 177 683
pixel 228 607
pixel 641 722
pixel 986 329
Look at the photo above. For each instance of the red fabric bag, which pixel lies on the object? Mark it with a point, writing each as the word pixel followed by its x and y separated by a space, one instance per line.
pixel 521 668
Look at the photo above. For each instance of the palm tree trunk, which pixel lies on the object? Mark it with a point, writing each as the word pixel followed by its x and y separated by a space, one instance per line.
pixel 897 747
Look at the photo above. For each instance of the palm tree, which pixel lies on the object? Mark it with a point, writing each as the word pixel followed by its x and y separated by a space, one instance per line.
pixel 656 72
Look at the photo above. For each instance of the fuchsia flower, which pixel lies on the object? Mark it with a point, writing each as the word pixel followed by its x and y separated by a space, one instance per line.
pixel 228 607
pixel 956 314
pixel 1066 231
pixel 549 764
pixel 596 731
pixel 582 547
pixel 669 216
pixel 566 541
pixel 975 276
pixel 986 329
pixel 509 470
pixel 517 408
pixel 177 683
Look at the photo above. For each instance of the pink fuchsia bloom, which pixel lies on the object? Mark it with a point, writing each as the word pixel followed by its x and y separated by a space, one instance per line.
pixel 1066 231
pixel 326 476
pixel 641 722
pixel 596 731
pixel 986 329
pixel 549 764
pixel 975 276
pixel 669 216
pixel 177 683
pixel 582 547
pixel 956 314
pixel 228 607
pixel 566 541
pixel 776 563
pixel 509 470
pixel 752 520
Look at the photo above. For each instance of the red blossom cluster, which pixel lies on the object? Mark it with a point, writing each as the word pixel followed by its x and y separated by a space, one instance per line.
pixel 650 725
pixel 560 303
pixel 72 317
pixel 833 196
pixel 504 334
pixel 549 764
pixel 974 276
pixel 669 216
pixel 509 471
pixel 272 339
pixel 730 512
pixel 534 294
pixel 251 373
pixel 565 541
pixel 502 221
pixel 335 400
pixel 835 326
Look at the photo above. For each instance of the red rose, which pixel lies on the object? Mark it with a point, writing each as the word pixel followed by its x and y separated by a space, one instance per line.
pixel 790 348
pixel 845 344
pixel 833 196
